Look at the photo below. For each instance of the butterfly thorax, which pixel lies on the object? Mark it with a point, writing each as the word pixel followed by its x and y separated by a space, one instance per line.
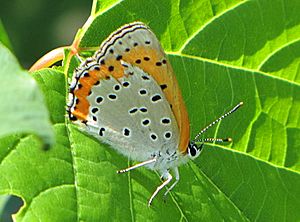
pixel 168 160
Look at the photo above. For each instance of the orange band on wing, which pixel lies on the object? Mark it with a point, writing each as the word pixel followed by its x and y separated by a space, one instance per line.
pixel 81 109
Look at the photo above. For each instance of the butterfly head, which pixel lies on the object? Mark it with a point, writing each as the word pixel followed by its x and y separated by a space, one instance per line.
pixel 194 149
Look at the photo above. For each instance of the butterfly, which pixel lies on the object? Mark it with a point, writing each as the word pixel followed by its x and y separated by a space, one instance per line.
pixel 126 95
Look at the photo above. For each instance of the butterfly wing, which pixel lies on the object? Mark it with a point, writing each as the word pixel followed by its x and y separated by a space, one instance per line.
pixel 99 98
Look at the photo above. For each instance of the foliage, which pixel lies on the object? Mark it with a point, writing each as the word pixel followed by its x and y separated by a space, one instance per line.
pixel 222 52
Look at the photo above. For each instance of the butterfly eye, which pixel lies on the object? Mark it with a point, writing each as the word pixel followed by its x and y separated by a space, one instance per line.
pixel 194 150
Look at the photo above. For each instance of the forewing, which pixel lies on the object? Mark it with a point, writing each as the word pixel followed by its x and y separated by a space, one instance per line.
pixel 136 47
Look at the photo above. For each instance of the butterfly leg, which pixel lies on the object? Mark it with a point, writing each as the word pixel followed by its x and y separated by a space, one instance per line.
pixel 137 165
pixel 168 177
pixel 176 172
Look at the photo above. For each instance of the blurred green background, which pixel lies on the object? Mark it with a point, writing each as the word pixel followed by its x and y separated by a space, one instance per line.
pixel 35 27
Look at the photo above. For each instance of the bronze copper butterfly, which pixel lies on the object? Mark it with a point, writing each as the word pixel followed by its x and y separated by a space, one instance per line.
pixel 127 96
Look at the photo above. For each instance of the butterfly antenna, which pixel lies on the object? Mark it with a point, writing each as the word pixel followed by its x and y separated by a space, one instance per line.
pixel 209 140
pixel 213 123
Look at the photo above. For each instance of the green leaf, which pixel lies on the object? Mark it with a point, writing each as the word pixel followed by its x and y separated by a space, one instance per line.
pixel 22 105
pixel 284 62
pixel 222 53
pixel 251 35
